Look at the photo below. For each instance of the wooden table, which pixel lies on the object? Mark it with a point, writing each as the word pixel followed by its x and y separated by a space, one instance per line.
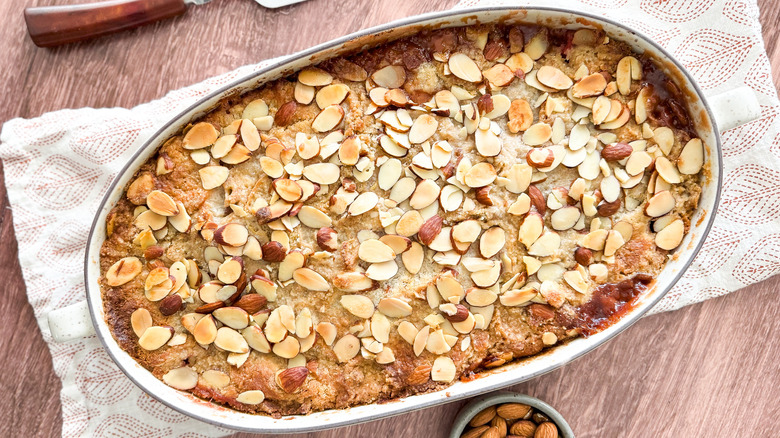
pixel 706 370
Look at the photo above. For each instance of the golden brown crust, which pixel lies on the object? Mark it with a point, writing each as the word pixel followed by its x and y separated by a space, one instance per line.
pixel 534 301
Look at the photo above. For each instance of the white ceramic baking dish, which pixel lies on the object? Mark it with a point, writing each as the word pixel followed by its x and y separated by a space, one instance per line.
pixel 711 115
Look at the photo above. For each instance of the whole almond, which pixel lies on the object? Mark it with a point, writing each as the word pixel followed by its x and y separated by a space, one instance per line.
pixel 483 417
pixel 210 307
pixel 513 411
pixel 541 311
pixel 419 375
pixel 327 239
pixel 606 209
pixel 461 314
pixel 170 304
pixel 492 432
pixel 494 49
pixel 475 432
pixel 546 430
pixel 273 251
pixel 430 229
pixel 537 199
pixel 251 303
pixel 284 116
pixel 153 252
pixel 483 196
pixel 583 256
pixel 292 378
pixel 500 424
pixel 617 151
pixel 523 428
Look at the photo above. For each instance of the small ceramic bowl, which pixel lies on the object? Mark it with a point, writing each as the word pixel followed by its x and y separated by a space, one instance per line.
pixel 468 411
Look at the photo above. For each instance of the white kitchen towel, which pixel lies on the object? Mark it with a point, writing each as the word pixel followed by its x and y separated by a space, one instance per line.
pixel 58 166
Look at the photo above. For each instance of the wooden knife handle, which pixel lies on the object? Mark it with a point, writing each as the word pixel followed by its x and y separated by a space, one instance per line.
pixel 55 25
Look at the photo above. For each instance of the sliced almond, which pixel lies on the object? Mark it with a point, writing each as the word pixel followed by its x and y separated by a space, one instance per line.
pixel 123 271
pixel 660 204
pixel 394 308
pixel 201 135
pixel 564 218
pixel 255 339
pixel 480 175
pixel 155 337
pixel 488 144
pixel 311 280
pixel 182 378
pixel 212 177
pixel 327 331
pixel 205 330
pixel 691 158
pixel 314 77
pixel 537 134
pixel 288 348
pixel 450 289
pixel 349 151
pixel 328 118
pixel 421 340
pixel 589 86
pixel 346 348
pixel 443 370
pixel 252 397
pixel 425 194
pixel 546 245
pixel 363 203
pixel 392 76
pixel 413 258
pixel 423 128
pixel 499 75
pixel 332 94
pixel 671 236
pixel 554 78
pixel 358 305
pixel 233 317
pixel 492 241
pixel 374 251
pixel 464 67
pixel 322 173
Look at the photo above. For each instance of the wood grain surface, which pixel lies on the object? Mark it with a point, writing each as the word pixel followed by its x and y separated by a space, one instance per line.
pixel 709 370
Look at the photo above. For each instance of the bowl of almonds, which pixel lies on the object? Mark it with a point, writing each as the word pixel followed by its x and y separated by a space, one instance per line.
pixel 506 414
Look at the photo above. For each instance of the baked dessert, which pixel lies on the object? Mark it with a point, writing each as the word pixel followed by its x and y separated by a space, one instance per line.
pixel 386 223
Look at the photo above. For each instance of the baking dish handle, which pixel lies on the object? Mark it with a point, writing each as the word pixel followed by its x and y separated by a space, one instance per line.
pixel 70 322
pixel 734 107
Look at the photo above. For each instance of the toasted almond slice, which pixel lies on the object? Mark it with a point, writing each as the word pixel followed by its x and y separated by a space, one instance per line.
pixel 353 282
pixel 161 203
pixel 425 194
pixel 307 146
pixel 488 144
pixel 537 134
pixel 270 167
pixel 546 245
pixel 212 177
pixel 255 339
pixel 667 170
pixel 394 308
pixel 610 188
pixel 311 280
pixel 314 77
pixel 230 270
pixel 201 135
pixel 231 234
pixel 450 289
pixel 443 370
pixel 591 85
pixel 230 340
pixel 531 229
pixel 377 96
pixel 640 108
pixel 358 305
pixel 408 331
pixel 391 76
pixel 638 162
pixel 346 348
pixel 205 330
pixel 451 197
pixel 421 340
pixel 499 75
pixel 293 261
pixel 314 218
pixel 155 337
pixel 671 236
pixel 399 244
pixel 664 138
pixel 349 151
pixel 380 327
pixel 233 317
pixel 537 45
pixel 327 331
pixel 480 175
pixel 223 145
pixel 332 94
pixel 254 109
pixel 691 158
pixel 322 173
pixel 287 189
pixel 464 67
pixel 660 204
pixel 123 271
pixel 423 128
pixel 413 258
pixel 440 242
pixel 564 218
pixel 613 243
pixel 554 78
pixel 486 277
pixel 624 74
pixel 595 240
pixel 409 223
pixel 252 397
pixel 140 320
pixel 467 231
pixel 365 202
pixel 328 118
pixel 288 348
pixel 374 251
pixel 492 241
pixel 602 107
pixel 182 378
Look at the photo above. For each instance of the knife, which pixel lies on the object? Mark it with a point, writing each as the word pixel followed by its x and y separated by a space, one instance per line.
pixel 51 26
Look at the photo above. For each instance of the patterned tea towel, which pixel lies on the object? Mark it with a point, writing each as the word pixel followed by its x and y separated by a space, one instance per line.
pixel 58 166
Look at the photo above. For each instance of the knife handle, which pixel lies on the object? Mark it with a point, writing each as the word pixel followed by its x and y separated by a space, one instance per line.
pixel 56 25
